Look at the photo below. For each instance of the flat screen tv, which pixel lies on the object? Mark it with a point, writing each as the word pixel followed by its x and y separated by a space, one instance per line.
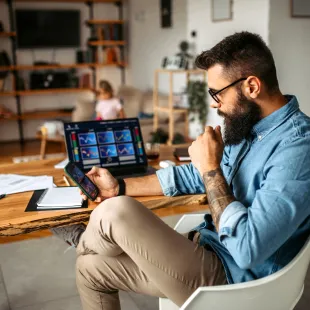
pixel 48 28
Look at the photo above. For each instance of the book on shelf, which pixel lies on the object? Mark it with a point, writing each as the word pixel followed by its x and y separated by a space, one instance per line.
pixel 112 32
pixel 109 55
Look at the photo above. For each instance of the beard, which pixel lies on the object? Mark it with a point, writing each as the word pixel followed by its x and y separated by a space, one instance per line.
pixel 238 124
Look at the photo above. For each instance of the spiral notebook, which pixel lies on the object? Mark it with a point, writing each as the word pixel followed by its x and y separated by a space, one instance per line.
pixel 60 197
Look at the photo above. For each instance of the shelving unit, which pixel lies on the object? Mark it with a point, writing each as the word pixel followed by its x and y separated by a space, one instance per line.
pixel 62 66
pixel 15 68
pixel 103 22
pixel 7 34
pixel 170 109
pixel 101 43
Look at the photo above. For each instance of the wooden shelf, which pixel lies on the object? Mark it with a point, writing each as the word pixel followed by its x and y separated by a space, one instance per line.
pixel 64 66
pixel 100 43
pixel 7 93
pixel 72 1
pixel 191 71
pixel 50 67
pixel 11 118
pixel 38 115
pixel 46 67
pixel 45 114
pixel 51 91
pixel 103 22
pixel 7 34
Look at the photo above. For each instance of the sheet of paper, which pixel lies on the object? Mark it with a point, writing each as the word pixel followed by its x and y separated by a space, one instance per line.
pixel 62 164
pixel 14 183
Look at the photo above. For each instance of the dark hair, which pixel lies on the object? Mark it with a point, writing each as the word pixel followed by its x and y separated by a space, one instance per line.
pixel 106 86
pixel 242 54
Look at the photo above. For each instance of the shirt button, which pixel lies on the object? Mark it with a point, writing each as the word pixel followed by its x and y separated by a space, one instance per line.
pixel 259 137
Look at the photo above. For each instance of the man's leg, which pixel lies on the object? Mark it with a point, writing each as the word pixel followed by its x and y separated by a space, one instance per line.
pixel 125 246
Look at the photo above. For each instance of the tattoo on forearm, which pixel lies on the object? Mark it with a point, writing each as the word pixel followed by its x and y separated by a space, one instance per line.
pixel 219 193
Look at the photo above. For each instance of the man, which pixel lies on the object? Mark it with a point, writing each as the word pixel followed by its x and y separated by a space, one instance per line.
pixel 257 178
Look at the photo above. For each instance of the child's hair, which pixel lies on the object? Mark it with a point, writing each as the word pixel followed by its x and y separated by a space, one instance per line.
pixel 106 87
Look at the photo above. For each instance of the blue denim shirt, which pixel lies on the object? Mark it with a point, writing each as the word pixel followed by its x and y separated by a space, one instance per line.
pixel 269 174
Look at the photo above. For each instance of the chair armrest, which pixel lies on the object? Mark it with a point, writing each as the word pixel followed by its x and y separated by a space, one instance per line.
pixel 188 222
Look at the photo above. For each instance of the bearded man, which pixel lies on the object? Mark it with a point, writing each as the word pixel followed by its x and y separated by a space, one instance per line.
pixel 257 179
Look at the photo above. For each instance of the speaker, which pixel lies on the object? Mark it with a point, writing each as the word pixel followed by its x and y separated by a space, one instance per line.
pixel 47 80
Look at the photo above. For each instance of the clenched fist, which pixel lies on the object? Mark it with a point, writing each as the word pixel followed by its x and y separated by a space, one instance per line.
pixel 206 151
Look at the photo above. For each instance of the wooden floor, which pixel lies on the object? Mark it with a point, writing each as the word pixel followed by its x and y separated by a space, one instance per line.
pixel 8 150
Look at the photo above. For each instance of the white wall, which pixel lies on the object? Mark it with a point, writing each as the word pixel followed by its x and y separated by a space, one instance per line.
pixel 149 43
pixel 250 15
pixel 290 44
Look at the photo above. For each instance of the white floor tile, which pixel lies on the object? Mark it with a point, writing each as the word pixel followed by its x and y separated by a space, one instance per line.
pixel 4 305
pixel 37 271
pixel 70 303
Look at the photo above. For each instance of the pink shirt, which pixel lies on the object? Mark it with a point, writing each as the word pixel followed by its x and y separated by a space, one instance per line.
pixel 108 109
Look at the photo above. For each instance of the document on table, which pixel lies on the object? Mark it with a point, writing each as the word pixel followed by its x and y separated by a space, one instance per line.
pixel 15 183
pixel 62 164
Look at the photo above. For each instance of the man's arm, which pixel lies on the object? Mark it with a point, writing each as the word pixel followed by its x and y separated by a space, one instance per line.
pixel 143 186
pixel 171 181
pixel 218 192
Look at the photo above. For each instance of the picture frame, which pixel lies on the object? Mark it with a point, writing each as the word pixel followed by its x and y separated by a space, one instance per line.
pixel 221 10
pixel 300 9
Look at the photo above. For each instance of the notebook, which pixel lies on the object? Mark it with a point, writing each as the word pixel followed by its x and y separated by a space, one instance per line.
pixel 60 197
pixel 181 154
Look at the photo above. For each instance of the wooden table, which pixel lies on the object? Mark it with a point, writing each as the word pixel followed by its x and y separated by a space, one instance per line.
pixel 15 221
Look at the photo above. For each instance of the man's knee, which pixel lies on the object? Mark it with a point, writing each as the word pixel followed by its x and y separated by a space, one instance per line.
pixel 116 208
pixel 87 271
pixel 93 272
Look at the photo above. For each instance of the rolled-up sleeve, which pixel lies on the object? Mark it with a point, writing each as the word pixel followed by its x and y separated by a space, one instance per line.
pixel 180 180
pixel 253 233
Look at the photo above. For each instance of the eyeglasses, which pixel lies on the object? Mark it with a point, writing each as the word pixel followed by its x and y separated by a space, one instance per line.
pixel 213 94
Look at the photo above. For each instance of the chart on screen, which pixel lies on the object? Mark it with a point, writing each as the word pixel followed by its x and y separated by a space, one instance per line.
pixel 125 149
pixel 87 138
pixel 105 137
pixel 108 151
pixel 122 135
pixel 90 152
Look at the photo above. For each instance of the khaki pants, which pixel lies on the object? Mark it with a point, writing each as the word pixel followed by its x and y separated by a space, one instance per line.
pixel 127 247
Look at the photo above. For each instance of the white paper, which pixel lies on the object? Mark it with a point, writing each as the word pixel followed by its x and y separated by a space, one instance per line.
pixel 14 183
pixel 62 164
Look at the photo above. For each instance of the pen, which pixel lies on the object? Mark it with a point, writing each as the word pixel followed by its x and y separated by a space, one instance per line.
pixel 2 196
pixel 66 181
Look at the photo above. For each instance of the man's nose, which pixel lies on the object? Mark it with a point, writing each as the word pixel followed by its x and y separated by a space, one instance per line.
pixel 215 104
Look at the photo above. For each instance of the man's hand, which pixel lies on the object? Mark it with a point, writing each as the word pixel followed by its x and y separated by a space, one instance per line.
pixel 207 151
pixel 107 184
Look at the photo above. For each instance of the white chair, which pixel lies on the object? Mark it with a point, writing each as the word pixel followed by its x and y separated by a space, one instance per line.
pixel 279 291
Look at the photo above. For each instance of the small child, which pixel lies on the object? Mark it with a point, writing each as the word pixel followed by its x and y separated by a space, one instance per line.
pixel 108 107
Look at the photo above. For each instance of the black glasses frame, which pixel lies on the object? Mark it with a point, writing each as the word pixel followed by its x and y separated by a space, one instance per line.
pixel 213 94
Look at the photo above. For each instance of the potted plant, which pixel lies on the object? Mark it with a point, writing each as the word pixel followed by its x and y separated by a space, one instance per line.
pixel 197 102
pixel 159 136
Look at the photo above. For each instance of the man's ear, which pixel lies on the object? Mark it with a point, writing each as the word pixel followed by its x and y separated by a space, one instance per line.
pixel 252 87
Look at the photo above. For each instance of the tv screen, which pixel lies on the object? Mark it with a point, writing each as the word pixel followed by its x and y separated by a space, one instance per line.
pixel 48 28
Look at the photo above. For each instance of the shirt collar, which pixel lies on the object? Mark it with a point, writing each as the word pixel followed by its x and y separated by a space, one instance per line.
pixel 272 121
